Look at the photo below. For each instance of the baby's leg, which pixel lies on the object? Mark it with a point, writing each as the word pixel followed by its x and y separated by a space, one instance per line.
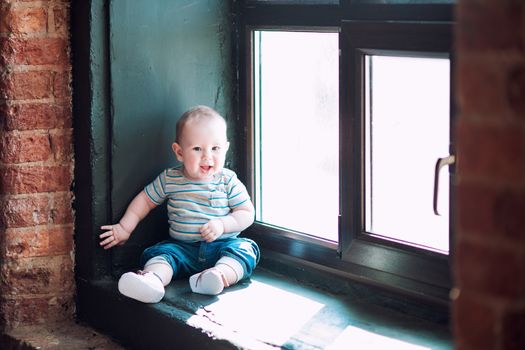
pixel 231 269
pixel 226 272
pixel 239 256
pixel 147 285
pixel 161 268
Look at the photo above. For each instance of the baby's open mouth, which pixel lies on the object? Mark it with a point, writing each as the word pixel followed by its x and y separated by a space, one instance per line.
pixel 206 168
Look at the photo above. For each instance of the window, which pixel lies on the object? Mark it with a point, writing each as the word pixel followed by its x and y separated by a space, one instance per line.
pixel 349 110
pixel 407 127
pixel 296 131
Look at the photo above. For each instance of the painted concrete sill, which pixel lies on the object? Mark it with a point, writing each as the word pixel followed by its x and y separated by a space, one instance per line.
pixel 271 311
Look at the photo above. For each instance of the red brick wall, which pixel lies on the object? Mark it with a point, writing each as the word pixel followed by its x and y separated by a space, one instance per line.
pixel 36 163
pixel 489 310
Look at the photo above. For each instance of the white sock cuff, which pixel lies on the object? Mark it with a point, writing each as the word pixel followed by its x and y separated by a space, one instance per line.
pixel 234 265
pixel 157 260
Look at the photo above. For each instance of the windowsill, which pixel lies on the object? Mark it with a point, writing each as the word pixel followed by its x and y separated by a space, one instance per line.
pixel 412 274
pixel 268 311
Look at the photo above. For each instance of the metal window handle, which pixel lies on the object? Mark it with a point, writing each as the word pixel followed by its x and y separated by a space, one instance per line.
pixel 441 162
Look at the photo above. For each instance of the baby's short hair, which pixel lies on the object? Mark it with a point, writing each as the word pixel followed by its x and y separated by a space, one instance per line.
pixel 197 112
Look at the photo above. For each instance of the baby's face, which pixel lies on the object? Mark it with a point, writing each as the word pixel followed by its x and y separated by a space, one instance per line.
pixel 202 148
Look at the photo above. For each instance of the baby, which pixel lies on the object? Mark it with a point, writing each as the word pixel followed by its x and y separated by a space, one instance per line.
pixel 207 206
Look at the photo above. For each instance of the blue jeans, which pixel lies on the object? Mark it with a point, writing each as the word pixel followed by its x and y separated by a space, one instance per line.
pixel 188 258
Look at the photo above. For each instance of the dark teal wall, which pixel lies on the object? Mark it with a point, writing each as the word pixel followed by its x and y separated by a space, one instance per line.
pixel 165 56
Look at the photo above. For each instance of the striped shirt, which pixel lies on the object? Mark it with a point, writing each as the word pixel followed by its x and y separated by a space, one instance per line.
pixel 192 204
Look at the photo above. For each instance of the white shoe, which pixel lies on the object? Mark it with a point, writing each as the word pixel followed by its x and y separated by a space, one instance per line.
pixel 211 282
pixel 144 286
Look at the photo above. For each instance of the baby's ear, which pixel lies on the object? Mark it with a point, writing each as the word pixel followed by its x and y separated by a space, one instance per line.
pixel 177 149
pixel 226 147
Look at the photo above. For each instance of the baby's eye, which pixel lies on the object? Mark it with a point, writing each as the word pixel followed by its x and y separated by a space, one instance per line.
pixel 197 149
pixel 216 148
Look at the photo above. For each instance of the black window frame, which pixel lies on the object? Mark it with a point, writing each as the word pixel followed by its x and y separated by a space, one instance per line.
pixel 395 26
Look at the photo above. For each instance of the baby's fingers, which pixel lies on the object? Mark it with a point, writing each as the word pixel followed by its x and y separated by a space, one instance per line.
pixel 110 245
pixel 208 238
pixel 106 234
pixel 205 229
pixel 206 235
pixel 109 231
pixel 109 242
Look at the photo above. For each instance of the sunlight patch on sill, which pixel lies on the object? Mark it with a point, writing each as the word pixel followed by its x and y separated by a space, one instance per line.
pixel 269 314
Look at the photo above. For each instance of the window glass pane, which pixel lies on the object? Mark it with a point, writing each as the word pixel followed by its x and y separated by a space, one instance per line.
pixel 296 131
pixel 407 130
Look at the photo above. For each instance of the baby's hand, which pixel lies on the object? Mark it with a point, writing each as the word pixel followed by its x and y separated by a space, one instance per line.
pixel 212 230
pixel 116 235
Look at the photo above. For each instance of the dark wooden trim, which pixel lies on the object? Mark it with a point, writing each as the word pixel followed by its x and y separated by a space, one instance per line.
pixel 325 15
pixel 359 38
pixel 91 118
pixel 287 249
pixel 247 80
pixel 402 36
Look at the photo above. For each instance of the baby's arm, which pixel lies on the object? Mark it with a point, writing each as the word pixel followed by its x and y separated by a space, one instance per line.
pixel 239 219
pixel 119 233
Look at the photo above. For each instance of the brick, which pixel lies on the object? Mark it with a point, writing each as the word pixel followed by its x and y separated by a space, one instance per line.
pixel 490 152
pixel 37 310
pixel 490 213
pixel 60 208
pixel 38 275
pixel 37 116
pixel 18 179
pixel 3 23
pixel 20 243
pixel 475 206
pixel 474 323
pixel 22 20
pixel 474 95
pixel 28 85
pixel 60 241
pixel 4 49
pixel 516 90
pixel 486 26
pixel 36 210
pixel 513 337
pixel 61 19
pixel 62 146
pixel 509 208
pixel 24 212
pixel 40 51
pixel 489 269
pixel 38 241
pixel 26 279
pixel 2 115
pixel 61 85
pixel 27 147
